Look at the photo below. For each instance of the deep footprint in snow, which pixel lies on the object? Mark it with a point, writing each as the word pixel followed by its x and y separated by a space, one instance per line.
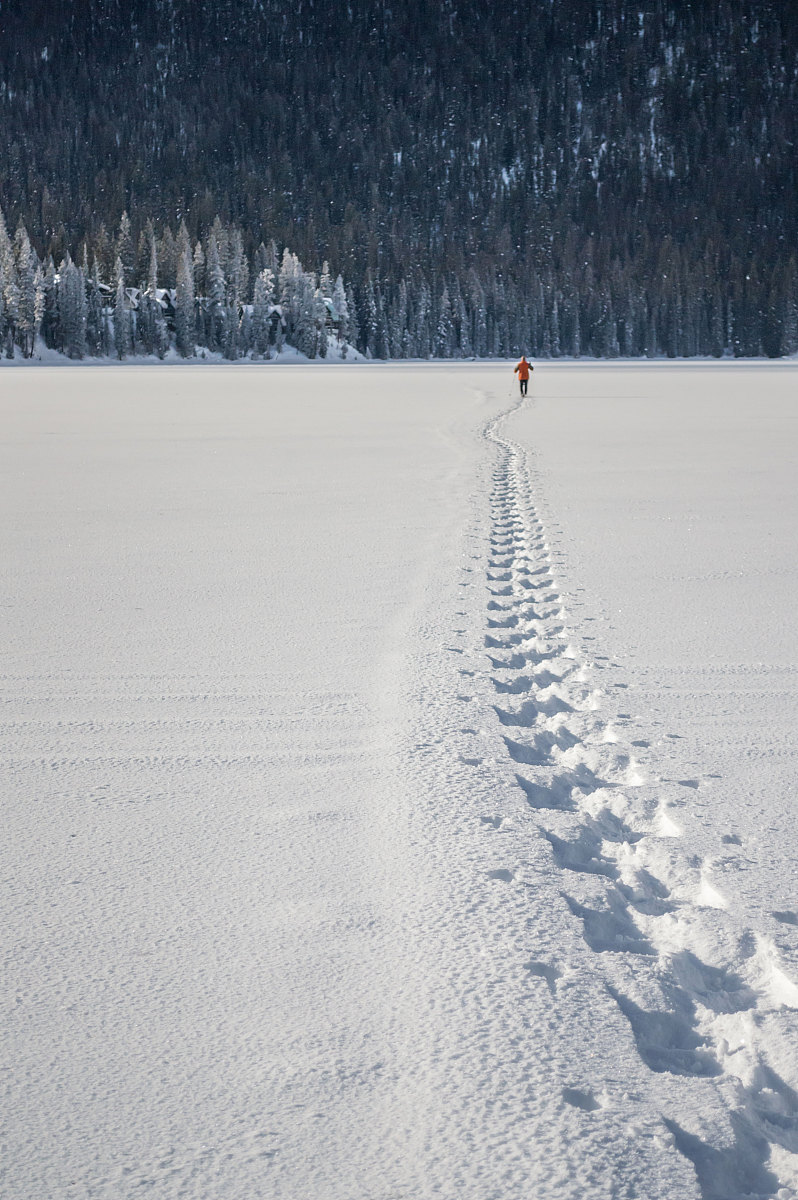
pixel 610 929
pixel 648 895
pixel 527 683
pixel 585 1101
pixel 541 970
pixel 786 918
pixel 502 875
pixel 527 715
pixel 732 1172
pixel 557 796
pixel 718 989
pixel 582 855
pixel 667 1041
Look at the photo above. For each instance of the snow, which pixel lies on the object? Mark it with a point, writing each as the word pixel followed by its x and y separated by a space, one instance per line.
pixel 400 782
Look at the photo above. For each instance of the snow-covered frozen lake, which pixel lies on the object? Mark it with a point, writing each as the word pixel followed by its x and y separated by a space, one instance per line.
pixel 399 784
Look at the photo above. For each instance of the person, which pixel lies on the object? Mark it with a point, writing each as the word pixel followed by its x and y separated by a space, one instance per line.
pixel 522 370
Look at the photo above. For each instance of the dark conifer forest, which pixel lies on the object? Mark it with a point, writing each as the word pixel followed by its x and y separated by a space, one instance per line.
pixel 415 179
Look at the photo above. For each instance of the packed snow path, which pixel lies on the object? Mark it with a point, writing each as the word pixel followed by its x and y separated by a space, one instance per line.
pixel 400 783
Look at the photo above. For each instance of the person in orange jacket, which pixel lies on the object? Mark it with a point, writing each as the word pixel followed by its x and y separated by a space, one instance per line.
pixel 522 371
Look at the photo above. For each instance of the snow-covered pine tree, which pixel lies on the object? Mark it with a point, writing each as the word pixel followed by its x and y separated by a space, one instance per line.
pixel 423 333
pixel 40 301
pixel 370 326
pixel 322 321
pixel 215 284
pixel 152 267
pixel 144 328
pixel 554 320
pixel 11 309
pixel 353 326
pixel 104 254
pixel 463 322
pixel 238 277
pixel 49 325
pixel 383 345
pixel 26 263
pixel 305 325
pixel 122 324
pixel 96 338
pixel 262 303
pixel 444 334
pixel 185 331
pixel 291 289
pixel 341 309
pixel 199 270
pixel 8 288
pixel 72 308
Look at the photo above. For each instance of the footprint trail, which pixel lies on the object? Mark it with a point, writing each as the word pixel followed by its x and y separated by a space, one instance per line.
pixel 704 1000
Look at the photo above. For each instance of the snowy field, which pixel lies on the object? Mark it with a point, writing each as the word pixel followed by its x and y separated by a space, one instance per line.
pixel 399 784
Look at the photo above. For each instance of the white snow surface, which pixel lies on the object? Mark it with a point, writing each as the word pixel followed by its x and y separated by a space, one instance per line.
pixel 399 783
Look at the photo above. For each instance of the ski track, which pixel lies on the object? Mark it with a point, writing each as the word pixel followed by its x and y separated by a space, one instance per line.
pixel 704 997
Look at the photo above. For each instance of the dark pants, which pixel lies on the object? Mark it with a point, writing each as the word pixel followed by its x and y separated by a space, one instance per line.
pixel 523 383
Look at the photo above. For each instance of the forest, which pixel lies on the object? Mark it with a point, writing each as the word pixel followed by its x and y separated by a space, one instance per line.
pixel 598 179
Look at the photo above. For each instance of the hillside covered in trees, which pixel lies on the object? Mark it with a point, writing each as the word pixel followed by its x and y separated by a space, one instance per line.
pixel 597 178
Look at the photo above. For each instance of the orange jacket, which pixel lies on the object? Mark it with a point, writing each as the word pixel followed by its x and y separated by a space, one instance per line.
pixel 523 369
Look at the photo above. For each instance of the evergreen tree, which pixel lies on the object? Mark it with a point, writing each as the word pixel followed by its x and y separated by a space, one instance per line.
pixel 8 289
pixel 72 308
pixel 152 267
pixel 238 279
pixel 444 336
pixel 96 336
pixel 341 309
pixel 370 329
pixel 123 340
pixel 353 327
pixel 325 281
pixel 305 323
pixel 26 263
pixel 216 296
pixel 40 300
pixel 185 331
pixel 199 270
pixel 263 301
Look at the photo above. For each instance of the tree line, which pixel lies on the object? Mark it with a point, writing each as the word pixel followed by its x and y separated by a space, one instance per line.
pixel 120 300
pixel 123 296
